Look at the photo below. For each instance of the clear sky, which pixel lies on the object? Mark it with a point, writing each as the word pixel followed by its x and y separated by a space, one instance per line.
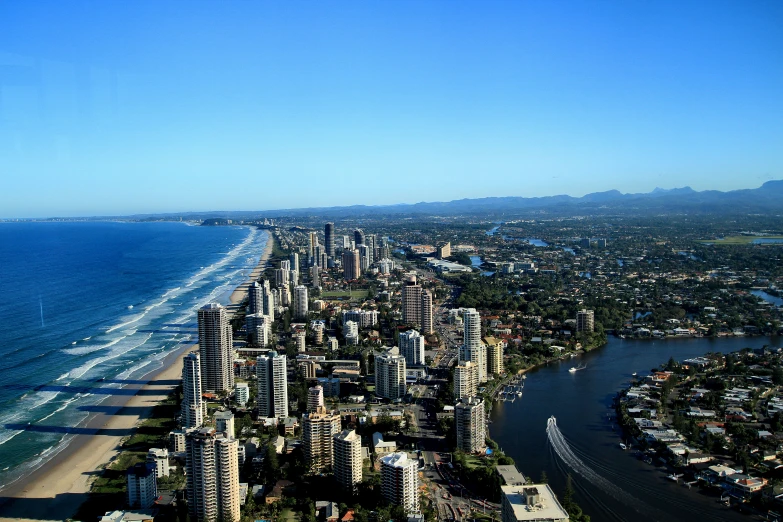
pixel 118 107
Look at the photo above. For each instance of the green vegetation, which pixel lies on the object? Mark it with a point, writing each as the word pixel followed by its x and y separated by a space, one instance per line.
pixel 737 240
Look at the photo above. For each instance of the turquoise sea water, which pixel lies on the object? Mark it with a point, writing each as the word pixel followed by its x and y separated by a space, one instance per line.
pixel 89 306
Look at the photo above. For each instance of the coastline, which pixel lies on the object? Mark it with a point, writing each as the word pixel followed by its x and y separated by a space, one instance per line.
pixel 56 489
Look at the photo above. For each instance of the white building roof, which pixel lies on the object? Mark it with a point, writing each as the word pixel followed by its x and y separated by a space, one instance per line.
pixel 547 507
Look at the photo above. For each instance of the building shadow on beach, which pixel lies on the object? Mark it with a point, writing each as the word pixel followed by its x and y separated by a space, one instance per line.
pixel 60 507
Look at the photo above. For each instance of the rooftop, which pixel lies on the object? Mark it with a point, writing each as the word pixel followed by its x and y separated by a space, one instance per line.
pixel 542 504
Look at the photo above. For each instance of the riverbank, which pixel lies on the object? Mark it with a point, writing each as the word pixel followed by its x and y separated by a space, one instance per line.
pixel 57 489
pixel 581 401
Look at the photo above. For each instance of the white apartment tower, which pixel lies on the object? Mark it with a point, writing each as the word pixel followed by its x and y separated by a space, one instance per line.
pixel 348 459
pixel 412 347
pixel 212 462
pixel 300 302
pixel 159 457
pixel 192 403
pixel 400 481
pixel 272 385
pixel 390 376
pixel 465 380
pixel 215 349
pixel 471 424
pixel 318 431
pixel 426 313
pixel 315 398
pixel 142 485
pixel 473 349
pixel 255 298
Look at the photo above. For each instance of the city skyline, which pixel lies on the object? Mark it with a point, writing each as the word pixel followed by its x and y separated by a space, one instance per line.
pixel 120 108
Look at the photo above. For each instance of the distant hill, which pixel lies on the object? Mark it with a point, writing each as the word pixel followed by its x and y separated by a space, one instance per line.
pixel 767 199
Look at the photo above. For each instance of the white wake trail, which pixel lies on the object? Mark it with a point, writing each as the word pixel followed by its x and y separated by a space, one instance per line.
pixel 566 454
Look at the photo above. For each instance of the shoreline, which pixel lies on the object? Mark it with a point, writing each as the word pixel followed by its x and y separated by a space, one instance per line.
pixel 58 487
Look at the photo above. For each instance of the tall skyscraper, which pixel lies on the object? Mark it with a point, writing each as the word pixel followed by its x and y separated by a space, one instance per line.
pixel 585 321
pixel 473 349
pixel 411 300
pixel 300 302
pixel 390 376
pixel 426 313
pixel 318 431
pixel 471 425
pixel 364 257
pixel 142 485
pixel 212 476
pixel 370 241
pixel 216 349
pixel 255 298
pixel 351 266
pixel 348 459
pixel 192 403
pixel 312 245
pixel 400 481
pixel 358 237
pixel 293 257
pixel 329 239
pixel 412 347
pixel 272 385
pixel 465 380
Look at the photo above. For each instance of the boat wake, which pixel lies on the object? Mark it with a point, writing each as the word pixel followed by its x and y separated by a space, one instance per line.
pixel 563 450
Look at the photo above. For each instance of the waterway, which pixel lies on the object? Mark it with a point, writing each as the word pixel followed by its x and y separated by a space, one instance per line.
pixel 581 402
pixel 777 301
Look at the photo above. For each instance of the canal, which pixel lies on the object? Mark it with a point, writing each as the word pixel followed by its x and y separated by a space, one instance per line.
pixel 581 401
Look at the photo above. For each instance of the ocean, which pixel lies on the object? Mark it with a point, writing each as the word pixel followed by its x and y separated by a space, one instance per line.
pixel 87 306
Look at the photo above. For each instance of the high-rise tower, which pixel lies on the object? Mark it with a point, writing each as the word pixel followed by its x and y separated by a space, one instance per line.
pixel 426 312
pixel 411 300
pixel 212 462
pixel 348 459
pixel 215 349
pixel 192 403
pixel 318 431
pixel 390 376
pixel 272 385
pixel 471 425
pixel 473 349
pixel 400 481
pixel 329 239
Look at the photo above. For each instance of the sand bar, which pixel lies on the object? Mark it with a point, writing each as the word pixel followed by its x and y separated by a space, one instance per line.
pixel 55 490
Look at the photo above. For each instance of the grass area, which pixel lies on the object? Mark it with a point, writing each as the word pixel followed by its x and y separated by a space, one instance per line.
pixel 738 240
pixel 473 462
pixel 288 515
pixel 343 293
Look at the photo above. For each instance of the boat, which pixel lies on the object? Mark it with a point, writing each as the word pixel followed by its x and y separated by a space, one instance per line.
pixel 634 374
pixel 623 446
pixel 674 477
pixel 574 369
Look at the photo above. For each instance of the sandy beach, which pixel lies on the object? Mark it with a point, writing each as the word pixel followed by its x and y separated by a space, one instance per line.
pixel 57 489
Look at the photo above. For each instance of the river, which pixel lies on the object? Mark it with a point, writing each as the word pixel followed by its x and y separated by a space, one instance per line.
pixel 581 401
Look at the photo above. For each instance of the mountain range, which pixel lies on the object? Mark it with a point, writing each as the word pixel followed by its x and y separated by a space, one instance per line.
pixel 767 199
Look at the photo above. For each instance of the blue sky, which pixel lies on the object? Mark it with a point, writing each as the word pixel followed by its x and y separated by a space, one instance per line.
pixel 123 107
